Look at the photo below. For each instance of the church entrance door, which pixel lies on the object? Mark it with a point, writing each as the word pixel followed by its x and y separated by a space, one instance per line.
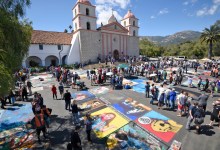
pixel 116 55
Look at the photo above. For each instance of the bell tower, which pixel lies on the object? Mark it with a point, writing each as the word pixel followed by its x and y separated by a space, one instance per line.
pixel 130 22
pixel 84 15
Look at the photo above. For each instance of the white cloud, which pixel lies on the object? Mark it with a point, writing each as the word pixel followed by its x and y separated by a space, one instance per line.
pixel 152 17
pixel 190 2
pixel 185 3
pixel 104 9
pixel 205 11
pixel 216 1
pixel 163 11
pixel 121 3
pixel 104 13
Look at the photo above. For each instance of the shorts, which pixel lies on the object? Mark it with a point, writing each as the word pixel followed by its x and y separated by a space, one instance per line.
pixel 213 117
pixel 180 107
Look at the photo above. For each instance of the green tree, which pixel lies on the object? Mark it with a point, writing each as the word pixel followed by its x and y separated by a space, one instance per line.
pixel 15 35
pixel 65 31
pixel 210 36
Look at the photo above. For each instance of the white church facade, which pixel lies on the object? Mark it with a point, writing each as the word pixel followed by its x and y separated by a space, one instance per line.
pixel 87 42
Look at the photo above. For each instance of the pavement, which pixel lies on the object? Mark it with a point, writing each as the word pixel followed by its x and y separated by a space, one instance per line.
pixel 61 121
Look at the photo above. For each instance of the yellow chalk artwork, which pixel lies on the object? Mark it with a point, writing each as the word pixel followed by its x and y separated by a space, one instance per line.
pixel 106 121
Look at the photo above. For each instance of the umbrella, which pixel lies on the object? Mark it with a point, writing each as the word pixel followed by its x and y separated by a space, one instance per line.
pixel 109 73
pixel 123 66
pixel 152 75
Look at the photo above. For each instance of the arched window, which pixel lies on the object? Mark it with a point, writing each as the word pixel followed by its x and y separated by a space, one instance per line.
pixel 133 23
pixel 75 26
pixel 87 12
pixel 134 33
pixel 88 26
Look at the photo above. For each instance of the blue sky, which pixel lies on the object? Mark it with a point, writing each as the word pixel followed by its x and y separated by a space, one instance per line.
pixel 156 17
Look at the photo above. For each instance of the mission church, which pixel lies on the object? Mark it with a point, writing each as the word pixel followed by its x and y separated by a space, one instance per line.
pixel 87 42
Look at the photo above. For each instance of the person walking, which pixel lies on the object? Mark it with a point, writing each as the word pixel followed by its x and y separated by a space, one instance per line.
pixel 88 123
pixel 199 118
pixel 29 85
pixel 147 90
pixel 215 115
pixel 67 98
pixel 61 90
pixel 54 91
pixel 40 125
pixel 75 139
pixel 192 110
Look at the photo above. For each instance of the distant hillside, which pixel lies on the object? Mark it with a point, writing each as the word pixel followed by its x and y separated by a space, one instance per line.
pixel 176 38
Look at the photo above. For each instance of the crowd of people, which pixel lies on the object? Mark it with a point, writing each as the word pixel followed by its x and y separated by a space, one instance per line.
pixel 164 96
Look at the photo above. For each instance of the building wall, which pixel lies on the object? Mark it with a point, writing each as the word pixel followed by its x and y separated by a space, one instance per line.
pixel 133 46
pixel 90 45
pixel 74 53
pixel 48 50
pixel 81 20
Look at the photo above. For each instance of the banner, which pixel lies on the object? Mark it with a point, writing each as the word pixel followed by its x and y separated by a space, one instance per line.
pixel 159 125
pixel 107 121
pixel 132 136
pixel 82 96
pixel 131 108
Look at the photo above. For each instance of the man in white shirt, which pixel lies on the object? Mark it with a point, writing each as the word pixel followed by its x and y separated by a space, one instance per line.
pixel 166 100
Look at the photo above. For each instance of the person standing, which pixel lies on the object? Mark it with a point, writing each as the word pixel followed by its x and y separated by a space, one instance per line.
pixel 29 85
pixel 40 125
pixel 54 91
pixel 24 93
pixel 203 100
pixel 172 99
pixel 75 139
pixel 2 103
pixel 206 84
pixel 61 90
pixel 199 83
pixel 88 123
pixel 67 98
pixel 147 90
pixel 12 97
pixel 75 112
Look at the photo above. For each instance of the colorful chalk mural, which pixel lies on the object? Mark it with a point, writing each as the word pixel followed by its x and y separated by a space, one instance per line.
pixel 131 108
pixel 132 136
pixel 99 91
pixel 106 121
pixel 159 125
pixel 14 131
pixel 91 105
pixel 82 96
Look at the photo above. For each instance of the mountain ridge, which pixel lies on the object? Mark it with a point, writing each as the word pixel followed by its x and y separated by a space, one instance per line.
pixel 176 38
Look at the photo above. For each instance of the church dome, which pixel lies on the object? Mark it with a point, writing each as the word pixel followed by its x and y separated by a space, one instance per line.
pixel 112 19
pixel 129 15
pixel 84 2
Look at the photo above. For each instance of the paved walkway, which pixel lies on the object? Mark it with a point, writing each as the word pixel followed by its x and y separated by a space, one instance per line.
pixel 61 122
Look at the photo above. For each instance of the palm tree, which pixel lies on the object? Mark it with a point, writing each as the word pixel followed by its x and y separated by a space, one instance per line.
pixel 210 36
pixel 70 27
pixel 65 31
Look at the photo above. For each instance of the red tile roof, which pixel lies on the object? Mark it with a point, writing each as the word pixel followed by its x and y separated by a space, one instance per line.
pixel 51 38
